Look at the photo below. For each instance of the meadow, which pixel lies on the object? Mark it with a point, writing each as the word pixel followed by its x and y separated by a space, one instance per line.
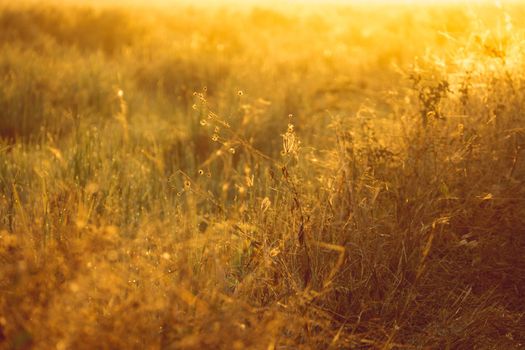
pixel 285 177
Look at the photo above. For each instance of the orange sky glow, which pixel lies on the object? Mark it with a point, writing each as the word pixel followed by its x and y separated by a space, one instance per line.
pixel 299 2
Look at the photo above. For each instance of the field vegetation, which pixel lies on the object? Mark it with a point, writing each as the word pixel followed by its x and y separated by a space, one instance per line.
pixel 312 177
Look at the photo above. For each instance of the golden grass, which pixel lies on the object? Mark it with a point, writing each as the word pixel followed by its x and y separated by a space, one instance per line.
pixel 258 178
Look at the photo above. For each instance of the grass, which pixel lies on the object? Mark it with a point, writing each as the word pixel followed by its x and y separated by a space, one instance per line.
pixel 339 177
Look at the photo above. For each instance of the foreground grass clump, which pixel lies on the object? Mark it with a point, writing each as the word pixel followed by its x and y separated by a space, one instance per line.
pixel 188 180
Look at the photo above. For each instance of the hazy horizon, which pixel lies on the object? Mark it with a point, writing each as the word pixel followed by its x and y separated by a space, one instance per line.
pixel 279 2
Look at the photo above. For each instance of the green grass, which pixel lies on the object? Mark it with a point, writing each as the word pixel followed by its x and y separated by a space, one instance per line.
pixel 256 178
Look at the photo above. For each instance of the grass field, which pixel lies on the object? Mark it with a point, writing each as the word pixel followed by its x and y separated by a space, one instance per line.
pixel 286 177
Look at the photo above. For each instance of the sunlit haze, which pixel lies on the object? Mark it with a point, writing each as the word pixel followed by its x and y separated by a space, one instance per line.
pixel 262 174
pixel 204 3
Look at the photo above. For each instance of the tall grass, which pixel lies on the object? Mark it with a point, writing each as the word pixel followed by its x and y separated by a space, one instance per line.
pixel 261 179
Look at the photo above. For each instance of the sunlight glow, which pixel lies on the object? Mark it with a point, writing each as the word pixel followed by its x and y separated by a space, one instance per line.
pixel 270 3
